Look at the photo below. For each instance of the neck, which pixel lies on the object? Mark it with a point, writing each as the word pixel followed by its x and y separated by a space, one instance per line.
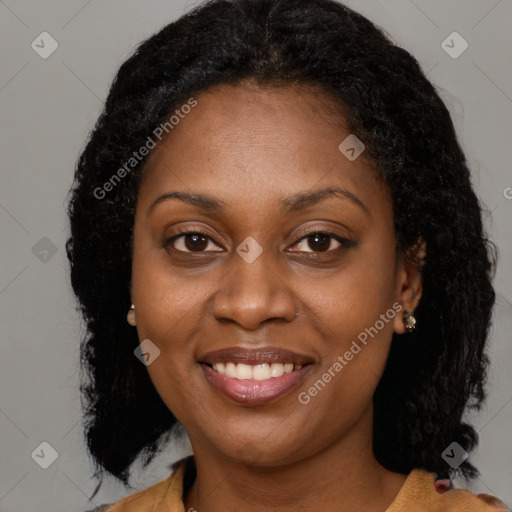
pixel 344 477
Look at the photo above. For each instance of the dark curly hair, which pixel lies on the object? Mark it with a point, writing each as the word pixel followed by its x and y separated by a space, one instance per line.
pixel 432 375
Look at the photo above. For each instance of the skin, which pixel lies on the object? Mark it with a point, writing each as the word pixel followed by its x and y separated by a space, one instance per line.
pixel 251 147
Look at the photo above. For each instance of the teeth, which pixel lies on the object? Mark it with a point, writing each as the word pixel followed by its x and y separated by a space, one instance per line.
pixel 230 370
pixel 276 370
pixel 262 371
pixel 243 371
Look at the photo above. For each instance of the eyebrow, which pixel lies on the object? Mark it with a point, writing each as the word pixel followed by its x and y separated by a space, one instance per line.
pixel 289 204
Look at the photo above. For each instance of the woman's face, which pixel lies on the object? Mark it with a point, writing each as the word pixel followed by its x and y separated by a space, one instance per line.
pixel 255 167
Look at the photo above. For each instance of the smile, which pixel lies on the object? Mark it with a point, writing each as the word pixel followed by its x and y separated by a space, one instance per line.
pixel 252 376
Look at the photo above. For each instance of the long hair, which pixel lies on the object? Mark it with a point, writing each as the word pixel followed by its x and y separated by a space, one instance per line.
pixel 432 375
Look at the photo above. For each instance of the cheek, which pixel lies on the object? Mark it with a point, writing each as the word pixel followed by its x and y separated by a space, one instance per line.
pixel 168 300
pixel 352 299
pixel 354 351
pixel 355 315
pixel 169 308
pixel 169 314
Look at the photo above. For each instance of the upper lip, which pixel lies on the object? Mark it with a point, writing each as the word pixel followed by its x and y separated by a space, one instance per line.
pixel 260 355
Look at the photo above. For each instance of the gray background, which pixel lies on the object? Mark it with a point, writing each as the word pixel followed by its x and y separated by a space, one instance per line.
pixel 47 107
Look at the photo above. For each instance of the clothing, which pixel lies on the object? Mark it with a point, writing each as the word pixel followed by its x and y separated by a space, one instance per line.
pixel 419 493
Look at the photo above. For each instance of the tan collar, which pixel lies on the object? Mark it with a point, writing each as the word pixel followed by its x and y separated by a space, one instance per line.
pixel 416 495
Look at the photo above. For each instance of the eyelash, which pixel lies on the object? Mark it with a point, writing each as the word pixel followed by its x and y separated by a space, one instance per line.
pixel 345 242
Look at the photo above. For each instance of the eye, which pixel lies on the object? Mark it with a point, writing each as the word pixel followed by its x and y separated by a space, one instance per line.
pixel 192 241
pixel 195 240
pixel 320 241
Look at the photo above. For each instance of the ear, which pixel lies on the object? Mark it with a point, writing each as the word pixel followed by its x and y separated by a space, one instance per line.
pixel 409 283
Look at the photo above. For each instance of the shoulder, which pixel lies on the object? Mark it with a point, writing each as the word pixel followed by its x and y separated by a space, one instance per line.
pixel 168 492
pixel 423 492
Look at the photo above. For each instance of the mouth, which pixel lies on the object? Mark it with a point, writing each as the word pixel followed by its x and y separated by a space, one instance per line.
pixel 255 377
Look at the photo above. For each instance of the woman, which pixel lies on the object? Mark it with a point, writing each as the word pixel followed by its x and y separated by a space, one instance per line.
pixel 275 245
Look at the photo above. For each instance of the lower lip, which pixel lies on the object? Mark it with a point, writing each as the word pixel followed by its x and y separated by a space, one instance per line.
pixel 254 392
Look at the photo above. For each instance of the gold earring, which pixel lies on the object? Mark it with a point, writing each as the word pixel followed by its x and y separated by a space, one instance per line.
pixel 410 321
pixel 130 316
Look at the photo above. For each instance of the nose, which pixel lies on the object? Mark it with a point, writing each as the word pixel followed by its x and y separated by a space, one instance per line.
pixel 251 294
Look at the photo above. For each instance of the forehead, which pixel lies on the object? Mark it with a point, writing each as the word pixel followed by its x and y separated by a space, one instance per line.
pixel 252 143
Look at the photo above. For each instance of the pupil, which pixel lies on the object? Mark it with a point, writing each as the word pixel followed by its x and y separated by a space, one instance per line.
pixel 319 240
pixel 198 242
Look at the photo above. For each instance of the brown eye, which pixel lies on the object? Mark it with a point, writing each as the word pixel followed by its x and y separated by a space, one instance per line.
pixel 192 241
pixel 321 242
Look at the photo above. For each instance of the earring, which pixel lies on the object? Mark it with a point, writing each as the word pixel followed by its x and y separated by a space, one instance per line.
pixel 130 316
pixel 410 321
